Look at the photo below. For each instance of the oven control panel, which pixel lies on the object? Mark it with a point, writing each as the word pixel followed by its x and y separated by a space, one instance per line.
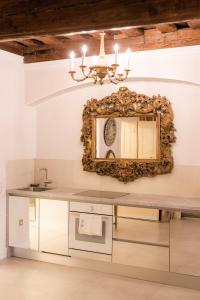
pixel 100 209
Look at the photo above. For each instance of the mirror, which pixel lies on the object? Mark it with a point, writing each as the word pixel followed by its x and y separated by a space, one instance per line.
pixel 127 137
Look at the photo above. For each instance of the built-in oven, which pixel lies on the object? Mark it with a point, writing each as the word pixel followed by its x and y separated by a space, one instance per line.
pixel 90 242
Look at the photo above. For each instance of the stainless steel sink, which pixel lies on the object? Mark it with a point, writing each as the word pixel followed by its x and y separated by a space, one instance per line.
pixel 35 189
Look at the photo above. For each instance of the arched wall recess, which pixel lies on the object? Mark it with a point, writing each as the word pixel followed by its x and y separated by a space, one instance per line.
pixel 91 85
pixel 128 104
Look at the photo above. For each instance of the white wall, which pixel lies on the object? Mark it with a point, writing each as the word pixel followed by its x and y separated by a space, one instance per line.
pixel 50 79
pixel 59 121
pixel 17 126
pixel 59 114
pixel 174 73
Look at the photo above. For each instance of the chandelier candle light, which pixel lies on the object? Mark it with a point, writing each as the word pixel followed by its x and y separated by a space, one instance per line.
pixel 101 71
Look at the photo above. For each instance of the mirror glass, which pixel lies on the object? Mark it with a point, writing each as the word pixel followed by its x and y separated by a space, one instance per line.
pixel 127 137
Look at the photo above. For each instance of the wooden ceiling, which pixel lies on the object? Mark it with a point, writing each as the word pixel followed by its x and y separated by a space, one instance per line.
pixel 53 47
pixel 50 30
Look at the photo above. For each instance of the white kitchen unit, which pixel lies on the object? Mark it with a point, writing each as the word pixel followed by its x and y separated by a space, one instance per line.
pixel 144 245
pixel 54 226
pixel 23 222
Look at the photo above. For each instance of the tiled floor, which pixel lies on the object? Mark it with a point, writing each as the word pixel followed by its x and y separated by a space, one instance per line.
pixel 28 280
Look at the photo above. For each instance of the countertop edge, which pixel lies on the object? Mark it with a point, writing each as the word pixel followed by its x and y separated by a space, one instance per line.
pixel 131 200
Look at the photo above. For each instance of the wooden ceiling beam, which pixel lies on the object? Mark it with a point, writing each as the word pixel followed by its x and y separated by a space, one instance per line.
pixel 49 40
pixel 152 39
pixel 31 42
pixel 194 23
pixel 166 27
pixel 22 18
pixel 153 35
pixel 13 48
pixel 132 32
pixel 76 37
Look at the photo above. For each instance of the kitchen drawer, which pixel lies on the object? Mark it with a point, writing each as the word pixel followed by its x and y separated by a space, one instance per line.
pixel 139 255
pixel 89 255
pixel 100 209
pixel 138 212
pixel 142 231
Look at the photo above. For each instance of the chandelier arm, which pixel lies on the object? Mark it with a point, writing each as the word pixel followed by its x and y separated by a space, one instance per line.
pixel 111 73
pixel 112 81
pixel 72 73
pixel 93 77
pixel 84 74
pixel 122 77
pixel 110 77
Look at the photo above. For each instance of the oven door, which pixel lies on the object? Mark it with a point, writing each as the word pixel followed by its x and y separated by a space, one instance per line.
pixel 92 243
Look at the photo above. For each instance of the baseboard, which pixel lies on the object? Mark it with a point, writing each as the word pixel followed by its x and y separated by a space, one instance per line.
pixel 163 277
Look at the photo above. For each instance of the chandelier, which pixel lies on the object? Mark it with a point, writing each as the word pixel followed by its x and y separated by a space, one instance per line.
pixel 100 71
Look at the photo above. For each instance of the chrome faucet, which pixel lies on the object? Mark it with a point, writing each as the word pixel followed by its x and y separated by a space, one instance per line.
pixel 46 181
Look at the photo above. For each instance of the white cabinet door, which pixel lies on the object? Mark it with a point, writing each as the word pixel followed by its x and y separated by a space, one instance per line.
pixel 23 222
pixel 19 222
pixel 147 140
pixel 185 246
pixel 54 226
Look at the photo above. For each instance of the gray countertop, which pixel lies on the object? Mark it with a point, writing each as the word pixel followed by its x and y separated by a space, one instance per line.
pixel 137 200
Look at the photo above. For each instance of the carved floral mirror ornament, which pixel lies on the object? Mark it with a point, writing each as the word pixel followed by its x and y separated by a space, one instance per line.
pixel 125 103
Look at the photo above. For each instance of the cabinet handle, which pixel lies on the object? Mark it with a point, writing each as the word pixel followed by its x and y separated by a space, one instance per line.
pixel 21 222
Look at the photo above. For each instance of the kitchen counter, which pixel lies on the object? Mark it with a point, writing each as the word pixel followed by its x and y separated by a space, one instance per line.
pixel 134 200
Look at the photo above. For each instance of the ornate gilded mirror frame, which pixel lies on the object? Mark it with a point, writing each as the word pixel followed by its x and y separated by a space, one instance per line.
pixel 125 103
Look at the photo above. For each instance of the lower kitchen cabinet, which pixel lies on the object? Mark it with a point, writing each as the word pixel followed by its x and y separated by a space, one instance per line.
pixel 43 225
pixel 185 246
pixel 23 222
pixel 38 224
pixel 140 255
pixel 54 226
